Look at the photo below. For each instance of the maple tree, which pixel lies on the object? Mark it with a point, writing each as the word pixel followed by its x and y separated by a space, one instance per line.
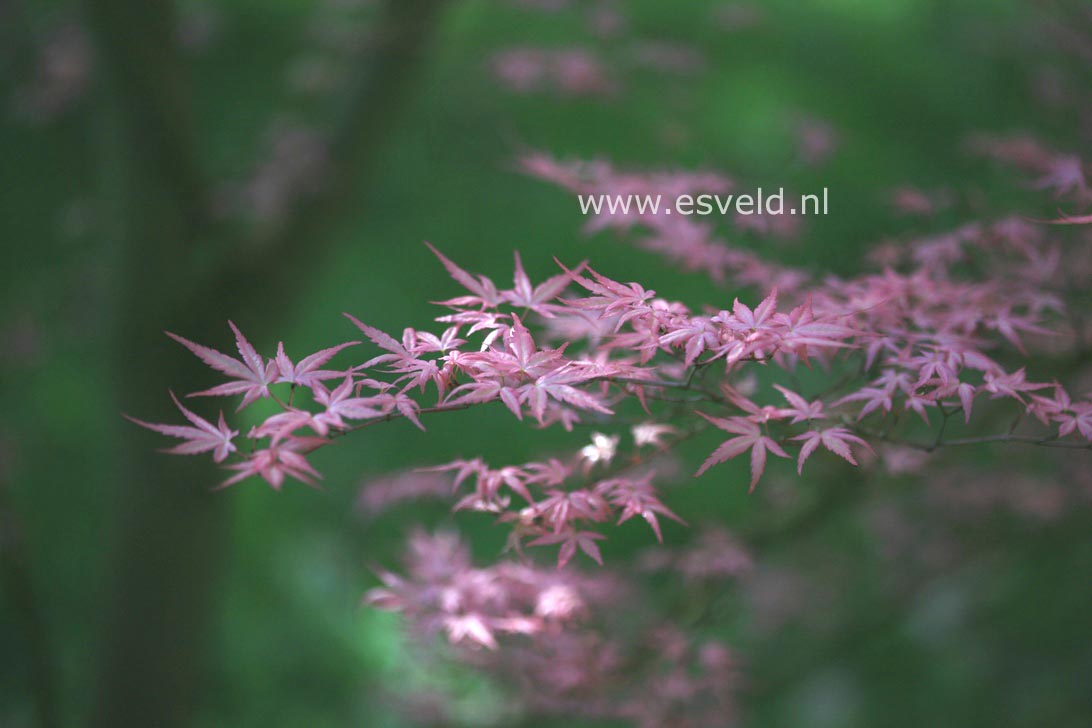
pixel 946 340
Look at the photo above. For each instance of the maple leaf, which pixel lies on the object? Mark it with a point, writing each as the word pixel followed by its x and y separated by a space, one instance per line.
pixel 338 404
pixel 1009 325
pixel 201 437
pixel 800 409
pixel 485 293
pixel 420 342
pixel 966 393
pixel 626 300
pixel 803 330
pixel 463 470
pixel 1079 419
pixel 491 479
pixel 570 540
pixel 1071 416
pixel 397 352
pixel 874 399
pixel 558 385
pixel 1001 384
pixel 744 319
pixel 307 372
pixel 695 334
pixel 536 298
pixel 559 508
pixel 528 358
pixel 417 372
pixel 253 374
pixel 275 463
pixel 550 473
pixel 918 403
pixel 835 439
pixel 750 437
pixel 637 497
pixel 278 426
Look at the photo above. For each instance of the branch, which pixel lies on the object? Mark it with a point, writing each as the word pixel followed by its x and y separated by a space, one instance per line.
pixel 939 442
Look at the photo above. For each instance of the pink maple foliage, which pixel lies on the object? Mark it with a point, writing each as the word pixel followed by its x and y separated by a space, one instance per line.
pixel 946 340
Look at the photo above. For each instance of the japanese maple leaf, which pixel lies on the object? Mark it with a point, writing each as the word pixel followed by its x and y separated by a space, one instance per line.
pixel 484 291
pixel 570 540
pixel 558 385
pixel 743 319
pixel 1000 384
pixel 935 364
pixel 424 342
pixel 637 497
pixel 280 425
pixel 549 473
pixel 536 298
pixel 966 393
pixel 800 410
pixel 528 358
pixel 1071 416
pixel 417 372
pixel 493 370
pixel 835 439
pixel 626 300
pixel 802 331
pixel 759 414
pixel 490 481
pixel 307 372
pixel 695 334
pixel 275 463
pixel 1009 325
pixel 463 470
pixel 750 437
pixel 1079 419
pixel 253 374
pixel 339 404
pixel 201 437
pixel 873 397
pixel 397 353
pixel 559 508
pixel 919 403
pixel 485 391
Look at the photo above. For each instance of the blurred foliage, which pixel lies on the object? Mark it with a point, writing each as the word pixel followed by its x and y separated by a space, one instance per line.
pixel 1003 640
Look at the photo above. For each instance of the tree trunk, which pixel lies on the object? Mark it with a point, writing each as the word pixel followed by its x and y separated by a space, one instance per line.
pixel 173 531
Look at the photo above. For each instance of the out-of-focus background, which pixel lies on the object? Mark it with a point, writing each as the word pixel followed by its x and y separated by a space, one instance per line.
pixel 164 168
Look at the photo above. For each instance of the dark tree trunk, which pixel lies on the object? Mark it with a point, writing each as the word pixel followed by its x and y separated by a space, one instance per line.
pixel 174 530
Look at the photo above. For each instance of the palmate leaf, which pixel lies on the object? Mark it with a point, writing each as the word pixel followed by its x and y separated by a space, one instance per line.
pixel 252 374
pixel 201 436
